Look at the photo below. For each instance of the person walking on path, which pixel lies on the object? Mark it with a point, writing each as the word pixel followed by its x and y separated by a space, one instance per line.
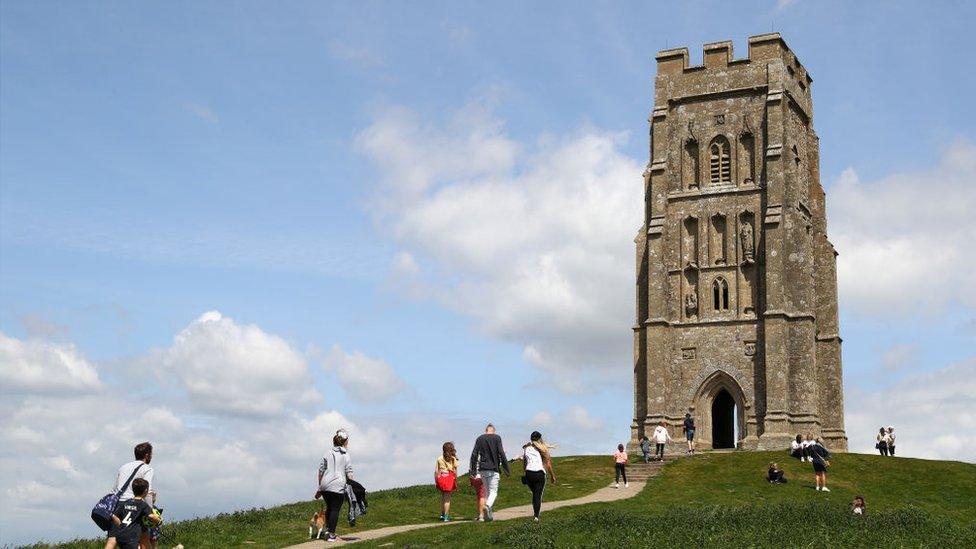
pixel 620 466
pixel 537 462
pixel 143 453
pixel 661 437
pixel 334 472
pixel 821 460
pixel 689 429
pixel 645 446
pixel 891 441
pixel 445 477
pixel 882 444
pixel 487 461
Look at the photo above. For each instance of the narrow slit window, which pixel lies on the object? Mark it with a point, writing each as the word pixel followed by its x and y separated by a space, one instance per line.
pixel 720 161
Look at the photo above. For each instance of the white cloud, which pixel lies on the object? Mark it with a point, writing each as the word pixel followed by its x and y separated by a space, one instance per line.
pixel 233 369
pixel 362 377
pixel 62 449
pixel 42 367
pixel 934 414
pixel 580 417
pixel 899 357
pixel 907 242
pixel 541 419
pixel 535 243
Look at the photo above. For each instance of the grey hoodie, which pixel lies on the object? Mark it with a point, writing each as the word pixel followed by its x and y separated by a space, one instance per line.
pixel 336 466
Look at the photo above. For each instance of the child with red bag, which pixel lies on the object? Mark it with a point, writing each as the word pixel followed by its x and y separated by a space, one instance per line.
pixel 445 477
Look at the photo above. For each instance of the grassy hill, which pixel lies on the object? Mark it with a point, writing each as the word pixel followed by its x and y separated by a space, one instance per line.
pixel 723 500
pixel 710 500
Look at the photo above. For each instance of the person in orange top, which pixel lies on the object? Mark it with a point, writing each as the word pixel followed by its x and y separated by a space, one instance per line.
pixel 620 466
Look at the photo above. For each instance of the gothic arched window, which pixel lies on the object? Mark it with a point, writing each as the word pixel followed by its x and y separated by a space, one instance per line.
pixel 720 294
pixel 720 161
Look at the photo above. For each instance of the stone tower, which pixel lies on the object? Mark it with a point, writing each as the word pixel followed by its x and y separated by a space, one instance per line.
pixel 736 279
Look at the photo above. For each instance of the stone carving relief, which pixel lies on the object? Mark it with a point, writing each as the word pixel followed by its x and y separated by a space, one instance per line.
pixel 747 241
pixel 688 353
pixel 691 303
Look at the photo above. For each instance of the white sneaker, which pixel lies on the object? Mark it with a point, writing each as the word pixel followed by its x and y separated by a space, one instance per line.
pixel 616 485
pixel 818 488
pixel 626 485
pixel 825 489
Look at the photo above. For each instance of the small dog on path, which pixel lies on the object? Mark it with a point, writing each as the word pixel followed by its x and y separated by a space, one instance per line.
pixel 317 521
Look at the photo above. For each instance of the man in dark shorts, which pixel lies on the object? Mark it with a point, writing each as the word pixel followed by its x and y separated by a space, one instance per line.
pixel 689 428
pixel 128 517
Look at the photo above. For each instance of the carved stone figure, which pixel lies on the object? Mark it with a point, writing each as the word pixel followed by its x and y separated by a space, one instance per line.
pixel 691 303
pixel 745 234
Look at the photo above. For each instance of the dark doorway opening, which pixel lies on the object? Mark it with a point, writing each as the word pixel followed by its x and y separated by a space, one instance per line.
pixel 723 420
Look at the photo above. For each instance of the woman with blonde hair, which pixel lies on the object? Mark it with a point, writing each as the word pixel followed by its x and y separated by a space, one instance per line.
pixel 445 477
pixel 537 463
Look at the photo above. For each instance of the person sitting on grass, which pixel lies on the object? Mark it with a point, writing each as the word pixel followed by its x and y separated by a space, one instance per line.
pixel 775 474
pixel 127 519
pixel 821 460
pixel 796 448
pixel 858 506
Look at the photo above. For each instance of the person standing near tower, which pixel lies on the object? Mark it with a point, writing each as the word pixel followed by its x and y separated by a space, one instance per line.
pixel 661 437
pixel 689 429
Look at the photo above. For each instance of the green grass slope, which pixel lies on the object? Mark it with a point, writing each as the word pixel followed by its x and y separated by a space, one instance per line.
pixel 288 524
pixel 723 500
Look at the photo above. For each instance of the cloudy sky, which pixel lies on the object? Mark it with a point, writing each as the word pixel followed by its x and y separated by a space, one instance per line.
pixel 232 229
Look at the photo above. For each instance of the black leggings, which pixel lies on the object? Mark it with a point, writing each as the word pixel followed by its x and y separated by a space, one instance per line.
pixel 620 470
pixel 536 481
pixel 333 504
pixel 883 448
pixel 659 450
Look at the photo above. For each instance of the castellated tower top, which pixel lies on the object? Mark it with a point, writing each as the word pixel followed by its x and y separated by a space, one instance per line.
pixel 770 66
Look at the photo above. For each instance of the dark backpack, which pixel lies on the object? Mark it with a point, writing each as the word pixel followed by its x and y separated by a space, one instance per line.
pixel 105 508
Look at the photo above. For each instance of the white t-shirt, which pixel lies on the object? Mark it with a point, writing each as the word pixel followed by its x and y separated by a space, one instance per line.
pixel 794 446
pixel 145 472
pixel 533 459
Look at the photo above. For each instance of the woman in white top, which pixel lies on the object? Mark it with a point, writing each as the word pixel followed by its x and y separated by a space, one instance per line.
pixel 537 462
pixel 891 440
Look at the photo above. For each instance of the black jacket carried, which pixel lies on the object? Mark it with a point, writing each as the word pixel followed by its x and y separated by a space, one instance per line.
pixel 488 454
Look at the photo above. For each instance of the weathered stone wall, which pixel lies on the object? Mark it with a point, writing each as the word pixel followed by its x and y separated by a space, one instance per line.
pixel 736 280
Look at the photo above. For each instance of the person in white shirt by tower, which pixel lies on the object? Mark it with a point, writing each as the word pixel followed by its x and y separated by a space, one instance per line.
pixel 661 437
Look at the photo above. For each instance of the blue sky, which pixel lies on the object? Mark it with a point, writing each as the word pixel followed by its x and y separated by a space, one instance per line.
pixel 369 195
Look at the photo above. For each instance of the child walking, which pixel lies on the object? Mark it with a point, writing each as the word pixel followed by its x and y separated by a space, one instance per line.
pixel 620 466
pixel 445 477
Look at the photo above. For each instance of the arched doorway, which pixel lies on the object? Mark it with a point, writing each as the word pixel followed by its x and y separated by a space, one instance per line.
pixel 720 408
pixel 723 420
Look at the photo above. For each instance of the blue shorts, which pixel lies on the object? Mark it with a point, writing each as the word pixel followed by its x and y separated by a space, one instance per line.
pixel 690 434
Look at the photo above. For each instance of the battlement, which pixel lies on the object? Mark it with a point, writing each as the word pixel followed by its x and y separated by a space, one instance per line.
pixel 718 55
